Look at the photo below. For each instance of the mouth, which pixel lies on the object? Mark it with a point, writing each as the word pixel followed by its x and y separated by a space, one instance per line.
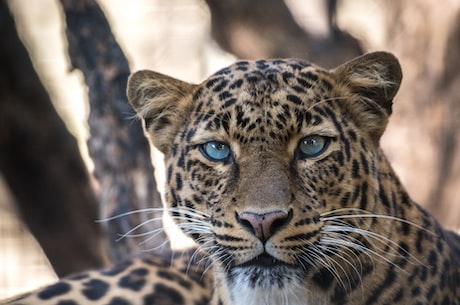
pixel 265 272
pixel 265 260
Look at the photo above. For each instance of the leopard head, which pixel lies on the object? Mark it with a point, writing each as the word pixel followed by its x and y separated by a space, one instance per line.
pixel 263 159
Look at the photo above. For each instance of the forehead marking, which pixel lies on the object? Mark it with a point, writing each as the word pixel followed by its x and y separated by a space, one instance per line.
pixel 262 99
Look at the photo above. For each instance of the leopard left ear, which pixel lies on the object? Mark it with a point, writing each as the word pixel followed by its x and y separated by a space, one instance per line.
pixel 369 83
pixel 376 76
pixel 163 103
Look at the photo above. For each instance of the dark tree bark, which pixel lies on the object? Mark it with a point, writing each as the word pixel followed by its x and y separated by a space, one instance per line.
pixel 41 163
pixel 117 144
pixel 267 29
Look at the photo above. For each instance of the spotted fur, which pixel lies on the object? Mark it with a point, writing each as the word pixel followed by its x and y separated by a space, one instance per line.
pixel 146 280
pixel 274 168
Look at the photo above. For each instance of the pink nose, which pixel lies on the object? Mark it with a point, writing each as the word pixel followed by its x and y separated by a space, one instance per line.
pixel 263 225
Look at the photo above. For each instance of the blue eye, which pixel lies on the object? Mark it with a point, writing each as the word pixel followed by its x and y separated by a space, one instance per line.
pixel 215 151
pixel 313 146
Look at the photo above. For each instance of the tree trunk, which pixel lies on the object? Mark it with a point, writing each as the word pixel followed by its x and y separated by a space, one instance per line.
pixel 117 144
pixel 41 163
pixel 267 29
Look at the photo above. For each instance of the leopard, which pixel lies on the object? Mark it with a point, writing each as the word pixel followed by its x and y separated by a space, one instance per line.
pixel 274 169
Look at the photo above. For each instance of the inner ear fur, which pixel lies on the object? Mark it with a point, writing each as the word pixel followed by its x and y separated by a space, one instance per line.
pixel 162 102
pixel 371 81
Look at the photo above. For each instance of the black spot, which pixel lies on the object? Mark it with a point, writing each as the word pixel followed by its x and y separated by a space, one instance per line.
pixel 431 292
pixel 406 228
pixel 169 173
pixel 262 64
pixel 118 301
pixel 135 280
pixel 302 222
pixel 178 182
pixel 295 99
pixel 326 84
pixel 363 203
pixel 415 291
pixel 286 76
pixel 304 83
pixel 118 268
pixel 189 135
pixel 340 158
pixel 236 84
pixel 95 289
pixel 345 198
pixel 229 102
pixel 309 75
pixel 352 135
pixel 54 290
pixel 164 295
pixel 302 236
pixel 242 68
pixel 251 78
pixel 323 279
pixel 224 95
pixel 67 302
pixel 224 71
pixel 355 169
pixel 296 65
pixel 212 82
pixel 364 163
pixel 298 89
pixel 433 260
pixel 197 94
pixel 383 197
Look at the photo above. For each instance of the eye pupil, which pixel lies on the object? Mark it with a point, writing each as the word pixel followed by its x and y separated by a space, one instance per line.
pixel 313 146
pixel 215 151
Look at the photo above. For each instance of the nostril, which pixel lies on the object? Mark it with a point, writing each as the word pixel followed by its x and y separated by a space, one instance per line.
pixel 245 223
pixel 279 223
pixel 263 225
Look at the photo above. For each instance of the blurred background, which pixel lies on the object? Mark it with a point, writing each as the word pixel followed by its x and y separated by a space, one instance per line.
pixel 71 153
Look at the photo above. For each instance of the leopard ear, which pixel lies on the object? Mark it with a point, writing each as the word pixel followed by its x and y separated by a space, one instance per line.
pixel 376 76
pixel 163 104
pixel 372 80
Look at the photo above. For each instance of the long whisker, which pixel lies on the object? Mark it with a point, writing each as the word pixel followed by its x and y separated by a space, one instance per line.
pixel 183 210
pixel 386 217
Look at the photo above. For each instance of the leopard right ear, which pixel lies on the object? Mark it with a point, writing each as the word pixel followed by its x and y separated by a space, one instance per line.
pixel 162 102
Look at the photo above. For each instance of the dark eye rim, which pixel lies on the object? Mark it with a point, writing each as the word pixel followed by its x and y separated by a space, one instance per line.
pixel 202 149
pixel 302 156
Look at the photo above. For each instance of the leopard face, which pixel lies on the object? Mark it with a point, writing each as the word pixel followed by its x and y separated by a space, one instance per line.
pixel 274 168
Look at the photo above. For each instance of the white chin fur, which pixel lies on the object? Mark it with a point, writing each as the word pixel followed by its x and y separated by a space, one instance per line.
pixel 280 287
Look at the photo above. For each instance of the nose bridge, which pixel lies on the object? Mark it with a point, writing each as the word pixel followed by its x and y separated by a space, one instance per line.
pixel 265 186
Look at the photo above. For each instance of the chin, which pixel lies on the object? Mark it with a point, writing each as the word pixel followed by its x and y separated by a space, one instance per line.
pixel 279 283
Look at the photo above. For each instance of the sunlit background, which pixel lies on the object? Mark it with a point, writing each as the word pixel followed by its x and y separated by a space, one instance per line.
pixel 173 37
